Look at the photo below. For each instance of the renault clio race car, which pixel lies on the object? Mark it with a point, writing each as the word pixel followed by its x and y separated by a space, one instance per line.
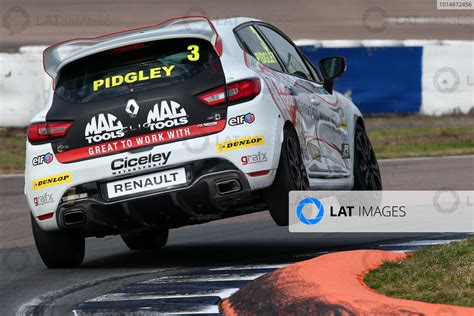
pixel 180 123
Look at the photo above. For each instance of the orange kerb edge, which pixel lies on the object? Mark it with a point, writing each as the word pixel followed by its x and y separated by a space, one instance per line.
pixel 329 284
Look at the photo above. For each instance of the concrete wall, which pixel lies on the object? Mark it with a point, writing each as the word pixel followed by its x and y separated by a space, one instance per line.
pixel 388 76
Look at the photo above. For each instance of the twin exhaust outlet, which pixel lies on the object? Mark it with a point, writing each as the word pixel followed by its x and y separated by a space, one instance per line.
pixel 77 216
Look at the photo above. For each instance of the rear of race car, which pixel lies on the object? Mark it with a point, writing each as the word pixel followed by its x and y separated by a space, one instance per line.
pixel 149 131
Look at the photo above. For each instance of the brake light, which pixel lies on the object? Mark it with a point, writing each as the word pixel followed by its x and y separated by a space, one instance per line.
pixel 243 89
pixel 40 132
pixel 213 97
pixel 237 91
pixel 259 173
pixel 45 216
pixel 129 47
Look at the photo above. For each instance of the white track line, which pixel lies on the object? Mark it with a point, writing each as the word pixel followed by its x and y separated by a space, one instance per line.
pixel 117 297
pixel 211 309
pixel 417 243
pixel 14 175
pixel 252 267
pixel 447 20
pixel 181 279
pixel 423 158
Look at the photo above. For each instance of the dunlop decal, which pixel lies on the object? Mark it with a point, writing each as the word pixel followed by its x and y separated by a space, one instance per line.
pixel 240 143
pixel 52 180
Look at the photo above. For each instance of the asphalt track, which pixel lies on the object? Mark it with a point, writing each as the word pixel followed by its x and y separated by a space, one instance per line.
pixel 237 241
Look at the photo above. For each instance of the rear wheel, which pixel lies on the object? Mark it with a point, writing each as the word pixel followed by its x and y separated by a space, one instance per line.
pixel 366 168
pixel 58 249
pixel 146 241
pixel 291 175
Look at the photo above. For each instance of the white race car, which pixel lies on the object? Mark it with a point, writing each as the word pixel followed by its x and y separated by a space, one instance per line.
pixel 180 123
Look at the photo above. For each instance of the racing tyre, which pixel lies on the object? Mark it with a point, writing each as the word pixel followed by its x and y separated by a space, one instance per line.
pixel 366 168
pixel 291 175
pixel 58 249
pixel 146 241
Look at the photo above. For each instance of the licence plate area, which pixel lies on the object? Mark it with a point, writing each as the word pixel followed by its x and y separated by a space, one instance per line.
pixel 157 181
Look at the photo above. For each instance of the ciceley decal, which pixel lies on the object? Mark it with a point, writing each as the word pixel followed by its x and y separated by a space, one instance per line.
pixel 129 164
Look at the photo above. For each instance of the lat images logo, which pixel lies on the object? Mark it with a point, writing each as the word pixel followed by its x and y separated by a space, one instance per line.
pixel 132 108
pixel 248 118
pixel 103 127
pixel 314 202
pixel 41 159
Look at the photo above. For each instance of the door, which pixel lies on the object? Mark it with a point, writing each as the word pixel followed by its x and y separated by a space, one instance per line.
pixel 323 143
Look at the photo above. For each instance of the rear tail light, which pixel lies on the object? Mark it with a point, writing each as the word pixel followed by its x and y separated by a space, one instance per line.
pixel 244 89
pixel 213 97
pixel 45 216
pixel 41 132
pixel 259 173
pixel 236 91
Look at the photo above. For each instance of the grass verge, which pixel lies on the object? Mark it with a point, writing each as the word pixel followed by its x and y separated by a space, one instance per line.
pixel 418 136
pixel 392 137
pixel 12 150
pixel 442 274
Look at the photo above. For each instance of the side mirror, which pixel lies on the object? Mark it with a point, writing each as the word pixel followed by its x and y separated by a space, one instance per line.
pixel 331 68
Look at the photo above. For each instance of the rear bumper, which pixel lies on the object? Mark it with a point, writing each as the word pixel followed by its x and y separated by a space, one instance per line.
pixel 268 124
pixel 216 189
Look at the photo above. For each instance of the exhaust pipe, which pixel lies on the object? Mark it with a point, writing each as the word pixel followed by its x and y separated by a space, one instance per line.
pixel 74 217
pixel 228 186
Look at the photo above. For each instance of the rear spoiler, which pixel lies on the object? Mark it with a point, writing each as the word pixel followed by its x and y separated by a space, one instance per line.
pixel 56 54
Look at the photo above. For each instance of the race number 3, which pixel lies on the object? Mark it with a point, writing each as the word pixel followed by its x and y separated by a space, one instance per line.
pixel 194 56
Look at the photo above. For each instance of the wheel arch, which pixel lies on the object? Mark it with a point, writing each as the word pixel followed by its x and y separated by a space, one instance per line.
pixel 360 122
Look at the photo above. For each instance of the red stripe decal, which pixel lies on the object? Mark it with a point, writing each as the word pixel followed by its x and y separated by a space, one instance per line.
pixel 125 144
pixel 333 146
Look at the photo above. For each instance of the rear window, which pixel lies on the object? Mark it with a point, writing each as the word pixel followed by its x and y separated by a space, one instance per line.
pixel 134 68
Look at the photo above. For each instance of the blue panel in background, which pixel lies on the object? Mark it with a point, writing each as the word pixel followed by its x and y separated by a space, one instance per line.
pixel 378 79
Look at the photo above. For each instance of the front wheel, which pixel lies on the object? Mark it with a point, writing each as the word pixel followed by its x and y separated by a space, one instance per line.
pixel 291 175
pixel 146 241
pixel 58 249
pixel 366 168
